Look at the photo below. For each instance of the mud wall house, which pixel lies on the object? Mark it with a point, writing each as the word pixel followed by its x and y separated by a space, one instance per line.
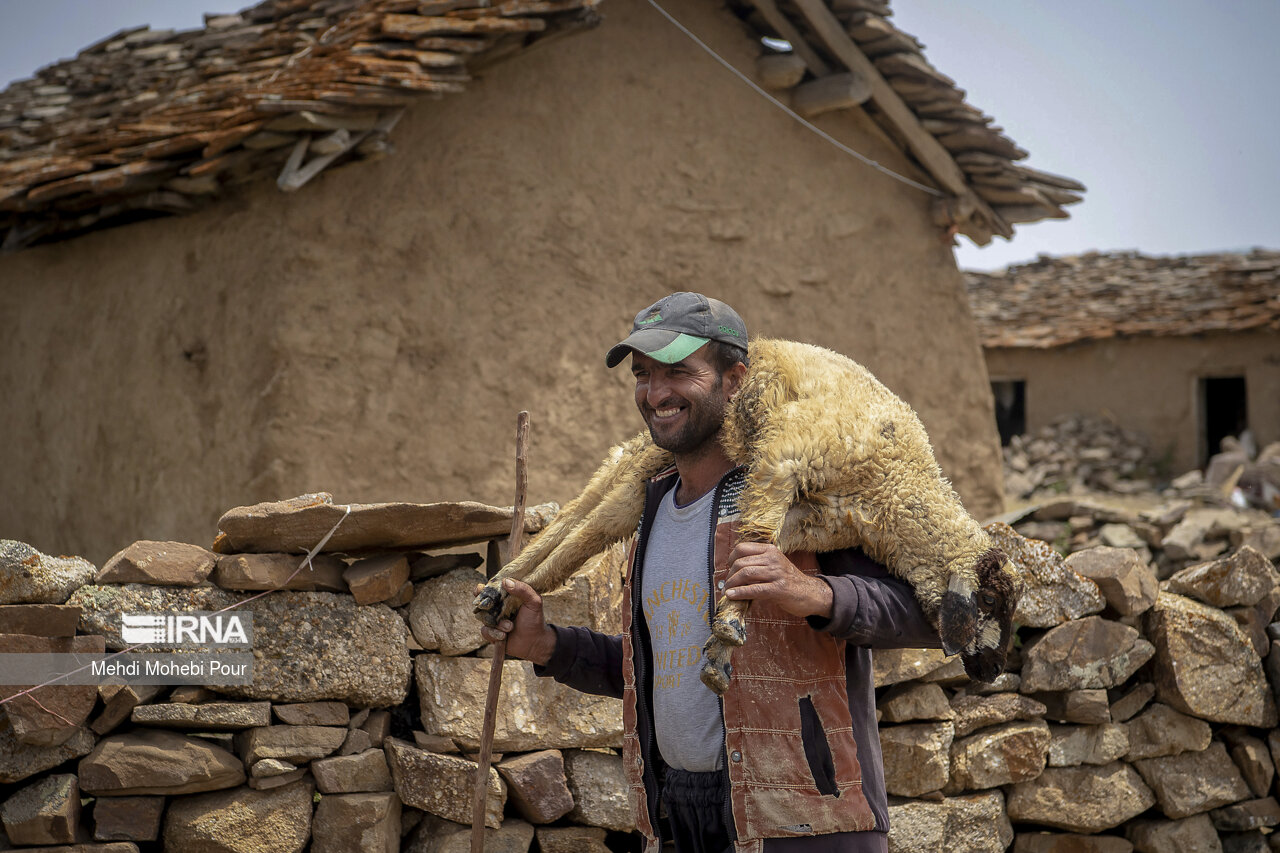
pixel 1184 349
pixel 183 336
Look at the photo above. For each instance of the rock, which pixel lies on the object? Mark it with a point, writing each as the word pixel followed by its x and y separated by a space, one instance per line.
pixel 296 744
pixel 537 785
pixel 1087 707
pixel 1263 538
pixel 1132 702
pixel 265 768
pixel 364 772
pixel 52 714
pixel 1012 752
pixel 1005 682
pixel 434 835
pixel 1083 799
pixel 1192 782
pixel 119 700
pixel 1071 746
pixel 1244 842
pixel 375 579
pixel 978 712
pixel 1187 539
pixel 1045 842
pixel 297 524
pixel 434 743
pixel 434 565
pixel 1163 731
pixel 1126 581
pixel 909 702
pixel 1244 578
pixel 539 713
pixel 266 783
pixel 1254 625
pixel 192 694
pixel 1205 666
pixel 440 614
pixel 1191 835
pixel 1053 594
pixel 599 788
pixel 153 761
pixel 29 577
pixel 45 812
pixel 358 740
pixel 1088 653
pixel 1241 817
pixel 369 823
pixel 1254 760
pixel 970 824
pixel 214 716
pixel 571 839
pixel 160 563
pixel 312 714
pixel 250 572
pixel 403 598
pixel 378 726
pixel 19 760
pixel 307 646
pixel 890 666
pixel 442 784
pixel 1121 536
pixel 127 818
pixel 41 620
pixel 916 757
pixel 241 821
pixel 592 596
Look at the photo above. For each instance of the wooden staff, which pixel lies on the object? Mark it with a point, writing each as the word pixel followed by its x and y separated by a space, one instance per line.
pixel 500 648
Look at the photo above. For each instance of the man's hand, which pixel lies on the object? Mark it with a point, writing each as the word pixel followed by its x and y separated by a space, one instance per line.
pixel 760 572
pixel 529 637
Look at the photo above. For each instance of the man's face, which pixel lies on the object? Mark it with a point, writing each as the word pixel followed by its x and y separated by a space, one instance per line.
pixel 682 403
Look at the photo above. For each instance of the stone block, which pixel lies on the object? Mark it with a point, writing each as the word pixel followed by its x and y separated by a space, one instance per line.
pixel 127 818
pixel 1052 842
pixel 1053 593
pixel 1189 835
pixel 241 820
pixel 1086 654
pixel 254 572
pixel 375 579
pixel 916 757
pixel 364 772
pixel 910 702
pixel 20 760
pixel 537 786
pixel 973 824
pixel 1132 702
pixel 571 839
pixel 440 614
pixel 1126 580
pixel 1085 799
pixel 345 823
pixel 1244 578
pixel 1071 746
pixel 118 702
pixel 44 812
pixel 154 761
pixel 977 712
pixel 50 715
pixel 159 563
pixel 599 789
pixel 891 666
pixel 213 716
pixel 30 577
pixel 1002 755
pixel 1248 815
pixel 312 714
pixel 1193 782
pixel 1161 731
pixel 40 620
pixel 296 744
pixel 442 784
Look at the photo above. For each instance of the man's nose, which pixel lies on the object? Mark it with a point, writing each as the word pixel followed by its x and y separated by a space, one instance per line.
pixel 659 390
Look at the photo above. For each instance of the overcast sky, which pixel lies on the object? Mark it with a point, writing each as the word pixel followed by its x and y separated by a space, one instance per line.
pixel 1165 109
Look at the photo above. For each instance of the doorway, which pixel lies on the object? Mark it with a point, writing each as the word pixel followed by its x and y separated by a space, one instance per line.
pixel 1011 408
pixel 1223 412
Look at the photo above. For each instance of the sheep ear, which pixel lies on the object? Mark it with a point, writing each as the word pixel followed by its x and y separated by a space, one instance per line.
pixel 958 616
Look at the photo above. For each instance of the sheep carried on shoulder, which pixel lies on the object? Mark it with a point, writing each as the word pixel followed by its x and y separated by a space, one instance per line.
pixel 834 460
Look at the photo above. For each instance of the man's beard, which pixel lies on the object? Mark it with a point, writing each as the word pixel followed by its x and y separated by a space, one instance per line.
pixel 703 420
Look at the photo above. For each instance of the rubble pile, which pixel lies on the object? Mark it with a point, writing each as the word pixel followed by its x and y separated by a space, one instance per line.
pixel 1076 454
pixel 1137 711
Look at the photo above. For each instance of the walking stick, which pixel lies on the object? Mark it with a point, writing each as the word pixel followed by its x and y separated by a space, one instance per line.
pixel 500 647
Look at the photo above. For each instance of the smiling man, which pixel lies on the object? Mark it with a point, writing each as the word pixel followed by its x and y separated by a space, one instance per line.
pixel 805 773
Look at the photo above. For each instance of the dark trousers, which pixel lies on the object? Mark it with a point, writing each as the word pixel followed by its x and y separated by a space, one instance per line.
pixel 696 809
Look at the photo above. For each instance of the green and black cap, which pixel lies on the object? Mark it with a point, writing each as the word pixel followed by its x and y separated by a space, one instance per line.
pixel 677 325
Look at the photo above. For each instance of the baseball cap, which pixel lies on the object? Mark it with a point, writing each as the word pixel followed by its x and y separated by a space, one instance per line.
pixel 677 325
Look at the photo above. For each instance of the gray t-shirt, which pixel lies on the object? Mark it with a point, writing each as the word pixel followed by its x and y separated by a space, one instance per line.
pixel 675 590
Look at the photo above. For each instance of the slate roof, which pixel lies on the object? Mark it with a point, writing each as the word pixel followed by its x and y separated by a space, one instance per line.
pixel 147 123
pixel 1057 301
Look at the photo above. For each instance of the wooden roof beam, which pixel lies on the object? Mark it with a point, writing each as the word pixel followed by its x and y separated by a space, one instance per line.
pixel 931 153
pixel 788 31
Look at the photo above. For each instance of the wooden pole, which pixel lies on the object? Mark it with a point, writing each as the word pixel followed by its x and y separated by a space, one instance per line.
pixel 500 648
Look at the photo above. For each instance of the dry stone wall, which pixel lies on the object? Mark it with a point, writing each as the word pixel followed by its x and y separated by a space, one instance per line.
pixel 1138 710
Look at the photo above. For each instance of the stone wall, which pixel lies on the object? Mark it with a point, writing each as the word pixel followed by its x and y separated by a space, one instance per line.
pixel 1136 712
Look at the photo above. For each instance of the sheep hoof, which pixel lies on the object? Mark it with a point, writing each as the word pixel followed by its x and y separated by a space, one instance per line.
pixel 716 668
pixel 731 630
pixel 489 605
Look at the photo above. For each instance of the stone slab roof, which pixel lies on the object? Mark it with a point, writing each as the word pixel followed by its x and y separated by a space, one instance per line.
pixel 1053 302
pixel 146 123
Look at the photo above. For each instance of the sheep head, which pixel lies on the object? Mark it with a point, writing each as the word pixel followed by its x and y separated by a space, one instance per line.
pixel 976 615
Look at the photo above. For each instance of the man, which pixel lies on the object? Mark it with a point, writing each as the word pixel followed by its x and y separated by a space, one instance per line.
pixel 788 760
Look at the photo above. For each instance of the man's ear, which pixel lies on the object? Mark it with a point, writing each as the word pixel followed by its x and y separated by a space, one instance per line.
pixel 733 378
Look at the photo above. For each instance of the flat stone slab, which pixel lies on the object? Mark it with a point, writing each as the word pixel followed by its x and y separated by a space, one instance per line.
pixel 211 716
pixel 1084 654
pixel 30 577
pixel 295 744
pixel 41 620
pixel 307 646
pixel 1001 755
pixel 312 714
pixel 279 571
pixel 1244 578
pixel 1193 782
pixel 442 784
pixel 154 761
pixel 892 666
pixel 1161 731
pixel 298 524
pixel 978 712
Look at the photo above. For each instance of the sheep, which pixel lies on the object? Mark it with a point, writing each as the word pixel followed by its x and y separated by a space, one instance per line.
pixel 834 459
